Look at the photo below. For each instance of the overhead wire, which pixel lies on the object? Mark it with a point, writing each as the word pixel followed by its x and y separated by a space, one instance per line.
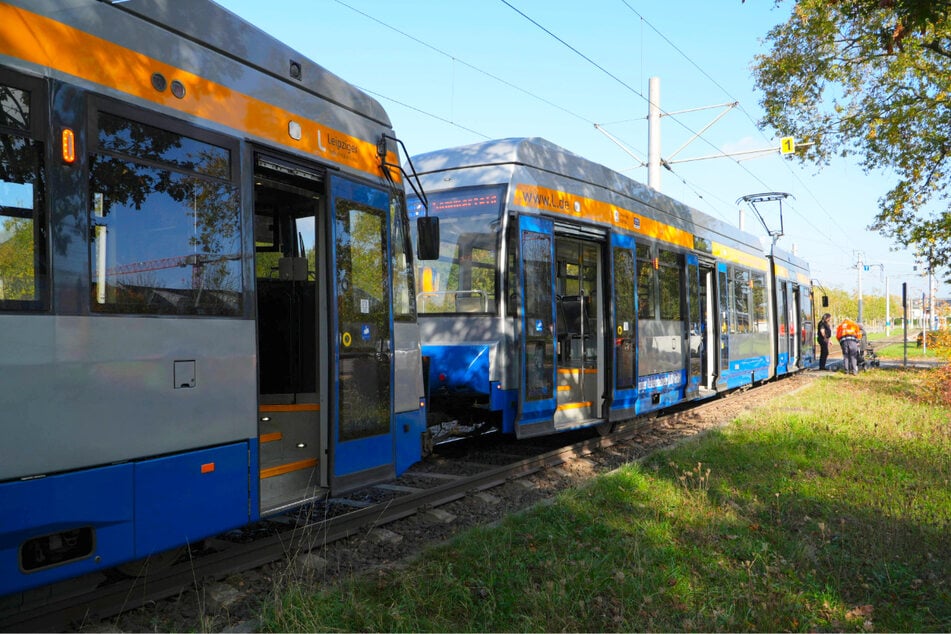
pixel 645 21
pixel 464 63
pixel 693 186
pixel 628 87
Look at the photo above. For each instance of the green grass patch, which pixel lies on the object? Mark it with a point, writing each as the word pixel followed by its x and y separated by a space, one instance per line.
pixel 826 510
pixel 898 351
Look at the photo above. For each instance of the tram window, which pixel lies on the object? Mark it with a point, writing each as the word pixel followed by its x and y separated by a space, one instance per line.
pixel 759 303
pixel 624 311
pixel 166 223
pixel 669 283
pixel 539 371
pixel 404 299
pixel 22 249
pixel 741 300
pixel 465 277
pixel 805 314
pixel 645 283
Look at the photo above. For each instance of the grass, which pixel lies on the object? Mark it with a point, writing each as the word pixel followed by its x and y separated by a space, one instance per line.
pixel 816 512
pixel 897 351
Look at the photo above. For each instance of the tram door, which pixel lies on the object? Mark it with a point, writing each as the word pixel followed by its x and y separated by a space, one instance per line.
pixel 796 340
pixel 701 329
pixel 579 337
pixel 694 330
pixel 537 292
pixel 362 432
pixel 709 330
pixel 287 204
pixel 787 328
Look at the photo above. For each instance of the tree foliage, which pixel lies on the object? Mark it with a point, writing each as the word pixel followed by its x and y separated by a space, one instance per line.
pixel 870 78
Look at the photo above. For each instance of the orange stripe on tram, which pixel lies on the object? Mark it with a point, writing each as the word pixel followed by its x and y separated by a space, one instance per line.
pixel 288 468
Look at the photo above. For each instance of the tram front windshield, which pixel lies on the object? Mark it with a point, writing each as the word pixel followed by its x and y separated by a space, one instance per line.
pixel 463 279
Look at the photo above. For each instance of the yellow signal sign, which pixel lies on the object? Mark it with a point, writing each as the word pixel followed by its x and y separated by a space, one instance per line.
pixel 787 145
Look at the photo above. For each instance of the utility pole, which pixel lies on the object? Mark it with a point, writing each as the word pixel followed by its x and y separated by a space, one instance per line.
pixel 860 265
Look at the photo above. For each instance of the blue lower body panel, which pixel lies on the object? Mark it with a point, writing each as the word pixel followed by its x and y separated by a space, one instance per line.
pixel 103 517
pixel 100 499
pixel 658 391
pixel 458 370
pixel 410 427
pixel 782 364
pixel 744 372
pixel 186 497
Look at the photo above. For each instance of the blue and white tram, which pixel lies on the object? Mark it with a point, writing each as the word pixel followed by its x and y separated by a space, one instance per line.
pixel 206 284
pixel 567 295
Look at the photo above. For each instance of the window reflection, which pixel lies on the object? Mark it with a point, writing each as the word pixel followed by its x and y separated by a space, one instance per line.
pixel 404 299
pixel 363 319
pixel 22 268
pixel 165 240
pixel 464 278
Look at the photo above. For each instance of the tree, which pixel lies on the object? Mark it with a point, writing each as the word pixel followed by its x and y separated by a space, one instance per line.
pixel 869 78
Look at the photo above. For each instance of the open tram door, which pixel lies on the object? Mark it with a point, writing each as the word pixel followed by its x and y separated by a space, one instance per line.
pixel 705 302
pixel 324 332
pixel 289 207
pixel 580 387
pixel 562 342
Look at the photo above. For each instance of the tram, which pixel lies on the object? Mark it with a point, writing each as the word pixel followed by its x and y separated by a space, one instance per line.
pixel 206 284
pixel 567 295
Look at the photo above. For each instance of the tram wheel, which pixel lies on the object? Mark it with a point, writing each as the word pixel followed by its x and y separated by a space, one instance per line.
pixel 604 429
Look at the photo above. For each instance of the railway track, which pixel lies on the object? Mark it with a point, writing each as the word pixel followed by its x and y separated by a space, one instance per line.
pixel 463 474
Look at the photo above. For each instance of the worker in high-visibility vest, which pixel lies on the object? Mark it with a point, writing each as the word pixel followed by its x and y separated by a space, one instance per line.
pixel 849 333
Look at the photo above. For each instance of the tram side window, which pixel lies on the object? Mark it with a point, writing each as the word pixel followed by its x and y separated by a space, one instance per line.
pixel 166 222
pixel 22 253
pixel 625 343
pixel 741 300
pixel 465 277
pixel 805 315
pixel 404 297
pixel 645 283
pixel 669 276
pixel 761 324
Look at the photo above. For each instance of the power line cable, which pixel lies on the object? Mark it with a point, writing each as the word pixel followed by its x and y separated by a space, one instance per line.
pixel 742 109
pixel 466 64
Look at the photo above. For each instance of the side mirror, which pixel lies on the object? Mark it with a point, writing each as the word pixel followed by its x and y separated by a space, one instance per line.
pixel 427 243
pixel 825 301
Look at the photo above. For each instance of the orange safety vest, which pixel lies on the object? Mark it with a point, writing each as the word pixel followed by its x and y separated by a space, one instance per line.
pixel 848 328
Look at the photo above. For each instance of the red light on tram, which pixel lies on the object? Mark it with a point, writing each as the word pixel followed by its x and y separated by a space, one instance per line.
pixel 69 146
pixel 442 377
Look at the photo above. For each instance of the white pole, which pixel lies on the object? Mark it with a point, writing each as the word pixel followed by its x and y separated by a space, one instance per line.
pixel 653 133
pixel 888 312
pixel 859 267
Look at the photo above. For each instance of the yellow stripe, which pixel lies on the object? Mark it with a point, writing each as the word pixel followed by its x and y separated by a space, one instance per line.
pixel 298 407
pixel 573 371
pixel 263 438
pixel 555 201
pixel 578 405
pixel 564 388
pixel 288 468
pixel 40 40
pixel 740 257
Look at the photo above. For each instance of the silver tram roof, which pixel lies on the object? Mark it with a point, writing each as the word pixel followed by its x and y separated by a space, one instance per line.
pixel 504 161
pixel 211 27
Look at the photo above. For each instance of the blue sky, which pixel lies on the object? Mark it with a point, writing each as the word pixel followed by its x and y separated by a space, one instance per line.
pixel 460 72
